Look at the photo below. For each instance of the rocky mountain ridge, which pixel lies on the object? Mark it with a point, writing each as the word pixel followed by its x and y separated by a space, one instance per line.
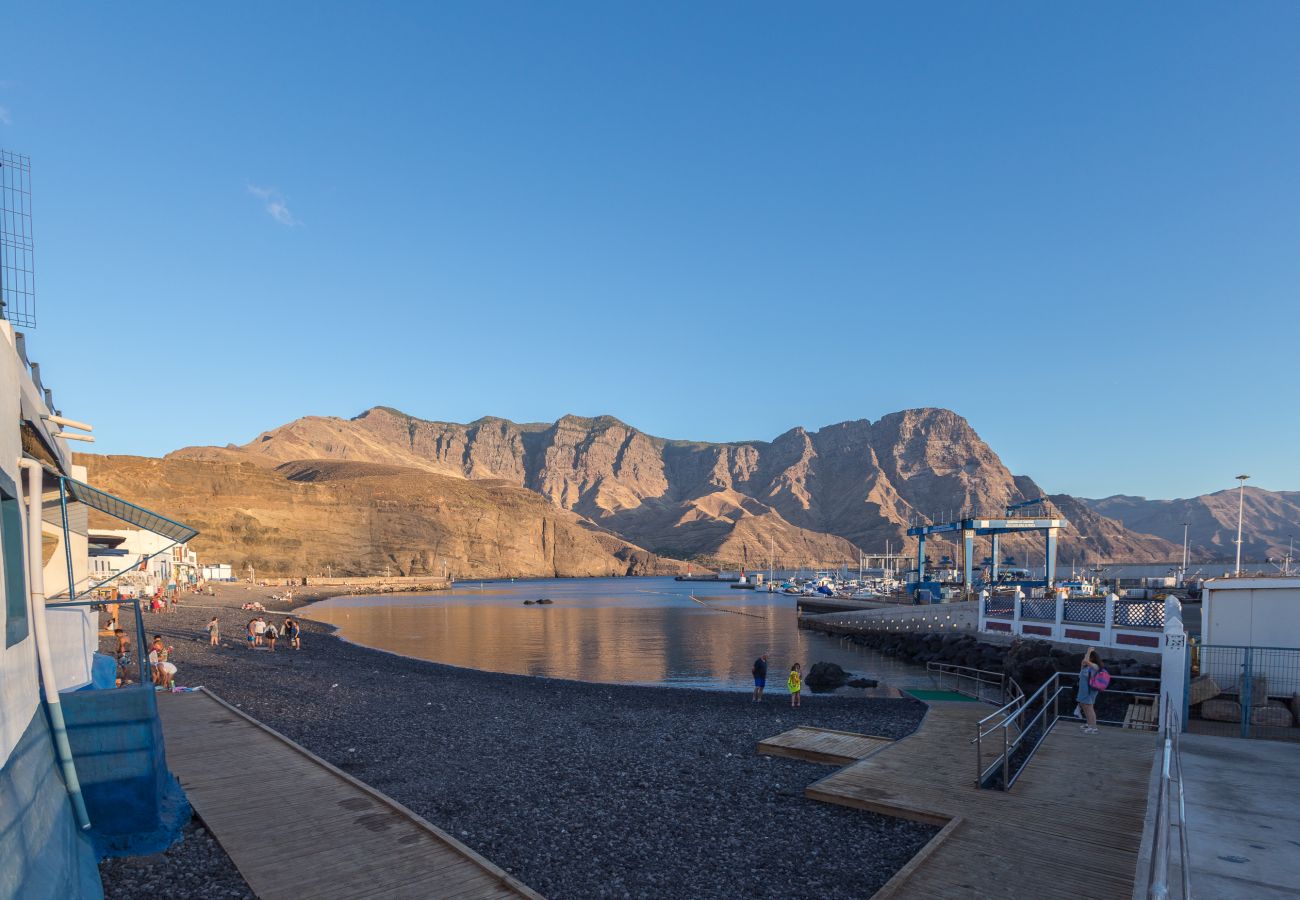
pixel 360 518
pixel 1270 519
pixel 806 498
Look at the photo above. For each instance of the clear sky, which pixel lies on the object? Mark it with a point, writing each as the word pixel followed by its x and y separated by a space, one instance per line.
pixel 1076 224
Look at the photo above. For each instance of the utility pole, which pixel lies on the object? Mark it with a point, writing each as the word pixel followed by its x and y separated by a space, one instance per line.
pixel 1241 508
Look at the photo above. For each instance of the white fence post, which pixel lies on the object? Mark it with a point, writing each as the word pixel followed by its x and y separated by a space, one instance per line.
pixel 1173 664
pixel 1015 614
pixel 1108 626
pixel 1058 631
pixel 983 601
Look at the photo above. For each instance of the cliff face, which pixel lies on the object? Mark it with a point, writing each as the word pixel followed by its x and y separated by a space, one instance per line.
pixel 362 518
pixel 811 497
pixel 1269 519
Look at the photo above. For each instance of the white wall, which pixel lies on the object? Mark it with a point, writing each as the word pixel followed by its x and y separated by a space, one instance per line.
pixel 18 681
pixel 1251 612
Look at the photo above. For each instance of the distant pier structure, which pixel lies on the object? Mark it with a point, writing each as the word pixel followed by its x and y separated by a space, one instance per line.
pixel 1017 518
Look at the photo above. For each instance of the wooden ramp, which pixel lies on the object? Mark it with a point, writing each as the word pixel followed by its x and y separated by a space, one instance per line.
pixel 296 827
pixel 822 745
pixel 1071 827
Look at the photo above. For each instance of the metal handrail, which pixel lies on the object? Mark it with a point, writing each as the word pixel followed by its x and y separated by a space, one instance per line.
pixel 1001 680
pixel 1011 714
pixel 1171 770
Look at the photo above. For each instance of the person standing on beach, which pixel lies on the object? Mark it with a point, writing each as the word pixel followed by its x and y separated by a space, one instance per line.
pixel 271 634
pixel 760 677
pixel 292 630
pixel 795 684
pixel 252 633
pixel 259 631
pixel 214 632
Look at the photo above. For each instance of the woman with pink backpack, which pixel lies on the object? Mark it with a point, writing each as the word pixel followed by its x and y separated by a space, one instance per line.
pixel 1093 679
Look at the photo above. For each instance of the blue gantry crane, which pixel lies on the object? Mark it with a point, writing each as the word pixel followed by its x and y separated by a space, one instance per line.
pixel 1028 515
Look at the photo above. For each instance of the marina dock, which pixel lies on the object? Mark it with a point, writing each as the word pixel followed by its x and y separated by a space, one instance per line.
pixel 1075 816
pixel 320 833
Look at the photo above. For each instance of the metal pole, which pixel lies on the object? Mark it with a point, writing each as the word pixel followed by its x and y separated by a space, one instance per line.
pixel 1241 507
pixel 142 654
pixel 67 539
pixel 1182 576
pixel 1006 761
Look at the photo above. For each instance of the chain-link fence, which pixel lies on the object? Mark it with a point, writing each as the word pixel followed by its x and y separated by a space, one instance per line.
pixel 1245 692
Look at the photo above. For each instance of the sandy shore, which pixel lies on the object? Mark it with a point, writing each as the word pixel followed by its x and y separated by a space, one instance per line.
pixel 581 790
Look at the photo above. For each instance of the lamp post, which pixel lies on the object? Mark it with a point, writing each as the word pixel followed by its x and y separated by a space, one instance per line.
pixel 1182 575
pixel 1241 507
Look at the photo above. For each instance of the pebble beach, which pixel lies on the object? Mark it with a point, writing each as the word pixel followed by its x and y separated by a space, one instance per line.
pixel 578 789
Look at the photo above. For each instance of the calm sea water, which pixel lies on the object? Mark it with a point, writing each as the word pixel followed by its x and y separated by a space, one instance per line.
pixel 625 630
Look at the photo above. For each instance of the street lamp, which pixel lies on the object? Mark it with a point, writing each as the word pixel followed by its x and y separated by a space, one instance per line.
pixel 1241 507
pixel 1183 574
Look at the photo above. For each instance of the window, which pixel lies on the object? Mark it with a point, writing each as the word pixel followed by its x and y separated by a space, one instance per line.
pixel 11 545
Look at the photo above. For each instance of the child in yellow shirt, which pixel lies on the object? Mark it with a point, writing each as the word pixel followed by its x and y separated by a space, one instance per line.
pixel 795 684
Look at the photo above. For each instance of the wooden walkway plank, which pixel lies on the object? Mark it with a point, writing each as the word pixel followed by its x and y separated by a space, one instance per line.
pixel 346 840
pixel 822 745
pixel 1070 827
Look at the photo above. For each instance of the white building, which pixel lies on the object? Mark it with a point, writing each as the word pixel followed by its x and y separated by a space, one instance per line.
pixel 150 560
pixel 218 572
pixel 1251 612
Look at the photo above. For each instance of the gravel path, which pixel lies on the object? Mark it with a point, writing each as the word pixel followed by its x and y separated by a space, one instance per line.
pixel 195 868
pixel 581 790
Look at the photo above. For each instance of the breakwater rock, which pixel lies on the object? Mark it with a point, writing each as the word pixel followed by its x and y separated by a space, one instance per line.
pixel 1029 662
pixel 826 676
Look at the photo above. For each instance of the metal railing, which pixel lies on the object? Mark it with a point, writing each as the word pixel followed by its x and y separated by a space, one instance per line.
pixel 975 683
pixel 1033 718
pixel 1171 771
pixel 1245 691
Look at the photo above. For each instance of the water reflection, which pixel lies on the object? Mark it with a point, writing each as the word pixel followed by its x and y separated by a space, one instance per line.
pixel 639 631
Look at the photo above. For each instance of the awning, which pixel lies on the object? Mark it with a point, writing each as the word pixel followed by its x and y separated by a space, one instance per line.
pixel 77 491
pixel 127 511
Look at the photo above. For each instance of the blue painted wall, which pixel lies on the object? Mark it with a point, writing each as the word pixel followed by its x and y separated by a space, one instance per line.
pixel 42 852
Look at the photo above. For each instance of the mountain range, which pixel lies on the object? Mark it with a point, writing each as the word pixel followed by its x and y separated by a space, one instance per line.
pixel 386 490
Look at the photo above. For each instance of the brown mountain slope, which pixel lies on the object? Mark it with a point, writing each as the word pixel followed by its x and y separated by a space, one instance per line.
pixel 361 518
pixel 814 496
pixel 1269 520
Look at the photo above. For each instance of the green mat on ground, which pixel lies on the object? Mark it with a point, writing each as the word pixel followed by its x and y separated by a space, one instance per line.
pixel 941 695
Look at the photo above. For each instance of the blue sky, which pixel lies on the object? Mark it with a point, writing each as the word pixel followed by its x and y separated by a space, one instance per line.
pixel 1076 225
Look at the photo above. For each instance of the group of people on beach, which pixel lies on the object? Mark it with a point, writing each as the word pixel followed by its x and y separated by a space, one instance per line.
pixel 161 669
pixel 793 682
pixel 261 633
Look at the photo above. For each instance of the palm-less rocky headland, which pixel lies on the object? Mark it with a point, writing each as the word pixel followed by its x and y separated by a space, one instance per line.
pixel 581 790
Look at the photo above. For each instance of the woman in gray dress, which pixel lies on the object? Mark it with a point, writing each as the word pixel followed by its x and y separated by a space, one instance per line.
pixel 1087 696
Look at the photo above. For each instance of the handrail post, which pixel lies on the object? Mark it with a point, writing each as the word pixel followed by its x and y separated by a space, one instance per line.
pixel 1246 692
pixel 1006 761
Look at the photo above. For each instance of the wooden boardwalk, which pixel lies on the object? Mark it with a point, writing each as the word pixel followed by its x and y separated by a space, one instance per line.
pixel 296 827
pixel 822 745
pixel 1071 827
